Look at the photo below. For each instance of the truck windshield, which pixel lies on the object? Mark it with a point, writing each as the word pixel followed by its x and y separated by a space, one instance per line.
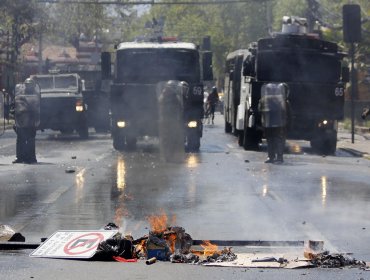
pixel 53 83
pixel 65 82
pixel 153 65
pixel 284 66
pixel 44 82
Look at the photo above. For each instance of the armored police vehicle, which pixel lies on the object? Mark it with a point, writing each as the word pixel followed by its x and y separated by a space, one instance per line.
pixel 62 104
pixel 312 69
pixel 139 68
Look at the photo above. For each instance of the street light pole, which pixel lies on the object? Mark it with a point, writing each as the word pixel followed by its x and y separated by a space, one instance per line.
pixel 352 35
pixel 353 91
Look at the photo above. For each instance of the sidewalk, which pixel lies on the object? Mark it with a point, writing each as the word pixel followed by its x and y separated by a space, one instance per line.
pixel 361 145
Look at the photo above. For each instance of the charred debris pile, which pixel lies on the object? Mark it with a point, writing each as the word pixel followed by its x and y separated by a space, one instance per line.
pixel 164 244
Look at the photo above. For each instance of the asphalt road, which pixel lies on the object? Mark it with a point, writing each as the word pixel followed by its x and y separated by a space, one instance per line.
pixel 223 192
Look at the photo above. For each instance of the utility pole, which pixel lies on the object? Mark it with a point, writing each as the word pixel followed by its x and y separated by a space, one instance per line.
pixel 352 35
pixel 268 6
pixel 312 14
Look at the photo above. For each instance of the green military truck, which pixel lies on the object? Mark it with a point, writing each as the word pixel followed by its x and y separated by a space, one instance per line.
pixel 62 104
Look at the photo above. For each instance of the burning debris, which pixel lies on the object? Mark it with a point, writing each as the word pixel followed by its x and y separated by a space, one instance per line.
pixel 315 253
pixel 163 243
pixel 172 243
pixel 327 260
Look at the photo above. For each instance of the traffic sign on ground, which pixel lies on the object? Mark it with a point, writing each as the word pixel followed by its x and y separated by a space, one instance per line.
pixel 72 244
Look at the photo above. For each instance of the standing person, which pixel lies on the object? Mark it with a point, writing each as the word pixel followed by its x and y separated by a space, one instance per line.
pixel 27 118
pixel 212 101
pixel 273 108
pixel 365 112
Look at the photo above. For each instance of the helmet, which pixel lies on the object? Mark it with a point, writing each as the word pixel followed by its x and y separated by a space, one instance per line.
pixel 30 86
pixel 214 89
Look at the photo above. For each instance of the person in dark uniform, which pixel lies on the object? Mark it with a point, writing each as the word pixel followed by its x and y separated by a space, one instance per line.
pixel 27 118
pixel 273 108
pixel 212 101
pixel 365 112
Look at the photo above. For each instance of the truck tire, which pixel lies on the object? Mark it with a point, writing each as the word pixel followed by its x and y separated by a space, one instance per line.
pixel 241 138
pixel 130 143
pixel 66 131
pixel 228 127
pixel 83 132
pixel 251 137
pixel 118 141
pixel 325 142
pixel 192 141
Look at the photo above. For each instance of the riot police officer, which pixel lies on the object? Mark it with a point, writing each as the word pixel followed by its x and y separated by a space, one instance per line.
pixel 27 118
pixel 273 108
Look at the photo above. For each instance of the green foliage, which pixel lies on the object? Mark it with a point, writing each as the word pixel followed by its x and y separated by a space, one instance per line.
pixel 19 19
pixel 231 26
pixel 69 21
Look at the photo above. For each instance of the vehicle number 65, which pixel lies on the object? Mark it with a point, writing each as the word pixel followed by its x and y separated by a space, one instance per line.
pixel 339 91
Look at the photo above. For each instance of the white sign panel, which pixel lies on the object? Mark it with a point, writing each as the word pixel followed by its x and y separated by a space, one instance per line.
pixel 72 244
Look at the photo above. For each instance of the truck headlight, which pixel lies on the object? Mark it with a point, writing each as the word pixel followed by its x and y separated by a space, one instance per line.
pixel 121 124
pixel 192 124
pixel 79 106
pixel 324 123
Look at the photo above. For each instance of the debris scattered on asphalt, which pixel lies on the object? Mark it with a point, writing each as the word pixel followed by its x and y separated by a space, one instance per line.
pixel 327 260
pixel 70 170
pixel 173 244
pixel 7 233
pixel 151 261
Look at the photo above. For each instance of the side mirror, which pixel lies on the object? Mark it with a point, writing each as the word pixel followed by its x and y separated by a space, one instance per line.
pixel 106 70
pixel 207 66
pixel 83 87
pixel 345 74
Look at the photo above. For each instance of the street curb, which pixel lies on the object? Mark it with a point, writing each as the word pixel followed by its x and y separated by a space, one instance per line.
pixel 262 243
pixel 354 152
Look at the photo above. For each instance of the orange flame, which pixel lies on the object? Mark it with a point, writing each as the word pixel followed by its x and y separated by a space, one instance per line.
pixel 171 241
pixel 158 224
pixel 208 248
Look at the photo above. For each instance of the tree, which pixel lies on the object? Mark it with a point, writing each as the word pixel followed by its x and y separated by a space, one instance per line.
pixel 69 21
pixel 230 26
pixel 18 21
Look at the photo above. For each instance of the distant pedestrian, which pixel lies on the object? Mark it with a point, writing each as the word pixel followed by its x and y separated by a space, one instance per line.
pixel 212 101
pixel 27 118
pixel 273 108
pixel 365 112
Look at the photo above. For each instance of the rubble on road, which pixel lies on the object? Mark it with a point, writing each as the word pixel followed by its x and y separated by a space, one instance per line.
pixel 8 234
pixel 327 260
pixel 173 244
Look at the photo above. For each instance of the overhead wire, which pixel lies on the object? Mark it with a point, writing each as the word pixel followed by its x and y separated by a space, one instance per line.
pixel 149 2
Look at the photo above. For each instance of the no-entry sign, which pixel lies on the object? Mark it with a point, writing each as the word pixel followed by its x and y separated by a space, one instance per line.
pixel 72 244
